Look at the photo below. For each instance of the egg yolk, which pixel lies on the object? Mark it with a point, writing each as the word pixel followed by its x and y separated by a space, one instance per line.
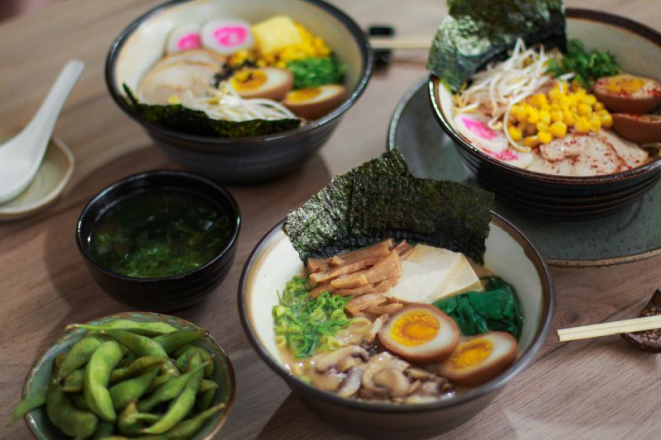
pixel 471 353
pixel 415 328
pixel 247 81
pixel 303 95
pixel 624 85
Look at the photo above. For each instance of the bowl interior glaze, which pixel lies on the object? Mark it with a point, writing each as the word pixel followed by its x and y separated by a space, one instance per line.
pixel 509 254
pixel 637 50
pixel 41 371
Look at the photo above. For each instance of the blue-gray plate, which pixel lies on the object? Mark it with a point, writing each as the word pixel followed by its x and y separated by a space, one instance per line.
pixel 628 235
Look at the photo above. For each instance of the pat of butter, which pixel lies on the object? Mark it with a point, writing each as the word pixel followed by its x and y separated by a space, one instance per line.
pixel 427 273
pixel 276 34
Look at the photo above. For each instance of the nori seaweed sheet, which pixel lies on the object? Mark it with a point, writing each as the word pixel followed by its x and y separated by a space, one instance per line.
pixel 381 199
pixel 178 117
pixel 476 31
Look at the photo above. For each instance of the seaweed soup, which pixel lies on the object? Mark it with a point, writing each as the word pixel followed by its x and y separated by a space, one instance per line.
pixel 160 233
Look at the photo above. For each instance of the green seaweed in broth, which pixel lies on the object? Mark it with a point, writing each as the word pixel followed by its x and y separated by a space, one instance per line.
pixel 159 233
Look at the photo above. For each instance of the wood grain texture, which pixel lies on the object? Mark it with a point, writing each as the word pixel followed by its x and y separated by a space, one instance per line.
pixel 588 389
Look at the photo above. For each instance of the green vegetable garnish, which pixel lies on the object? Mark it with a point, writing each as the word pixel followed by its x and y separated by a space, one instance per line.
pixel 309 324
pixel 158 234
pixel 316 71
pixel 479 312
pixel 178 117
pixel 587 66
pixel 477 30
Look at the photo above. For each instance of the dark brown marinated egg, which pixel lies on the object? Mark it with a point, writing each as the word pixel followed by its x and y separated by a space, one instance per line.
pixel 268 83
pixel 479 359
pixel 638 128
pixel 420 333
pixel 628 93
pixel 315 102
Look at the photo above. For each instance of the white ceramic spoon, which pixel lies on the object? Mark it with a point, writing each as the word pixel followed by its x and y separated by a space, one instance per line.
pixel 21 156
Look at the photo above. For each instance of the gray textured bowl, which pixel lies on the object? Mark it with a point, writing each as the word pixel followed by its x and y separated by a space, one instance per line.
pixel 274 261
pixel 42 429
pixel 637 48
pixel 252 159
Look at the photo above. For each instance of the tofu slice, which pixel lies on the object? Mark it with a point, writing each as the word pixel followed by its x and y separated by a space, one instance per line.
pixel 464 280
pixel 427 273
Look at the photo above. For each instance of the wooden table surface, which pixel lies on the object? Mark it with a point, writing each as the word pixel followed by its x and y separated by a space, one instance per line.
pixel 592 389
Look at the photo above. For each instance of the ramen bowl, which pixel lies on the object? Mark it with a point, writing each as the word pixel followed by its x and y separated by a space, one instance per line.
pixel 274 262
pixel 248 159
pixel 637 48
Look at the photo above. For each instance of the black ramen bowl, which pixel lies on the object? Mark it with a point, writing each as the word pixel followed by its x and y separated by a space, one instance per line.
pixel 250 159
pixel 274 262
pixel 637 48
pixel 171 293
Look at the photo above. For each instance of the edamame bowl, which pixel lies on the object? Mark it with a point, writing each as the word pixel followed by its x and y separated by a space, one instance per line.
pixel 41 427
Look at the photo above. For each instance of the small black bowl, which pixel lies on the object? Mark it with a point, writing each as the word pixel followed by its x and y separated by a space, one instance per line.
pixel 166 294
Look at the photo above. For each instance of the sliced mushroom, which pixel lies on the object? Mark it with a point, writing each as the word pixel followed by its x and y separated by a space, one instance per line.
pixel 376 326
pixel 348 363
pixel 394 381
pixel 419 373
pixel 329 381
pixel 414 386
pixel 333 358
pixel 376 364
pixel 351 384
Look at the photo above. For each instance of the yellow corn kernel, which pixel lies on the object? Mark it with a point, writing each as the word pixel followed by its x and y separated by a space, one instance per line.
pixel 531 141
pixel 545 116
pixel 580 91
pixel 582 125
pixel 542 126
pixel 584 110
pixel 554 107
pixel 598 105
pixel 564 100
pixel 515 133
pixel 589 100
pixel 556 115
pixel 521 114
pixel 558 129
pixel 568 118
pixel 573 100
pixel 544 137
pixel 538 100
pixel 595 123
pixel 533 115
pixel 606 119
pixel 173 99
pixel 555 93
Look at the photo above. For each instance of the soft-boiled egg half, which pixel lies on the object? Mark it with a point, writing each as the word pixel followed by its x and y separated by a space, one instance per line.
pixel 420 333
pixel 479 359
pixel 268 83
pixel 315 102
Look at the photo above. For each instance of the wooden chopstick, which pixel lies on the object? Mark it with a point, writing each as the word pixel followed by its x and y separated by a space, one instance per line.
pixel 609 328
pixel 390 43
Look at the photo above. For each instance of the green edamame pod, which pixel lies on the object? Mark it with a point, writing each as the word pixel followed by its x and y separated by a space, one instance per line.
pixel 180 407
pixel 97 377
pixel 159 381
pixel 131 422
pixel 145 328
pixel 131 390
pixel 204 400
pixel 59 359
pixel 34 400
pixel 185 355
pixel 174 340
pixel 136 367
pixel 79 401
pixel 127 360
pixel 80 353
pixel 62 414
pixel 207 385
pixel 169 390
pixel 104 431
pixel 141 345
pixel 188 428
pixel 73 383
